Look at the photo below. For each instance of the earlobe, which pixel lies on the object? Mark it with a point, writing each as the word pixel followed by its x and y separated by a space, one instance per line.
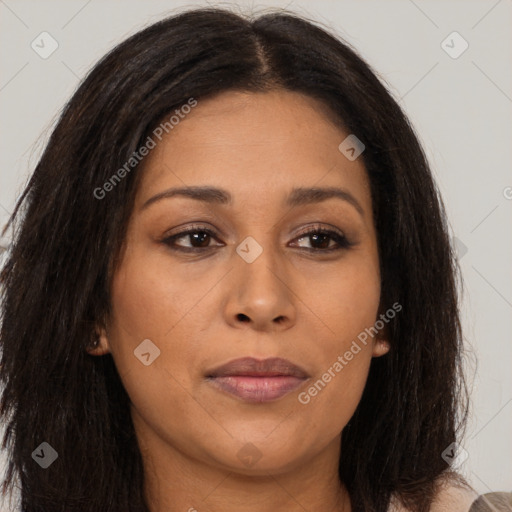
pixel 380 348
pixel 381 345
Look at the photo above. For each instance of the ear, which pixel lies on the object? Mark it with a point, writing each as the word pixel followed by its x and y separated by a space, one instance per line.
pixel 99 344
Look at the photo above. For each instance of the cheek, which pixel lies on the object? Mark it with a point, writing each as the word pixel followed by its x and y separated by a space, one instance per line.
pixel 146 307
pixel 345 298
pixel 347 304
pixel 151 298
pixel 343 363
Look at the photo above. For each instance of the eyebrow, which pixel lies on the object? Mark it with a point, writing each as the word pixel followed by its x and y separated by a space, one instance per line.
pixel 297 197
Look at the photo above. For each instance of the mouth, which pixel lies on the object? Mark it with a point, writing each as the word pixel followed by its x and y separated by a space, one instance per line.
pixel 253 380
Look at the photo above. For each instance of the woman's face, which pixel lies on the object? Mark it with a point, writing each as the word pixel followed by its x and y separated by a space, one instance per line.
pixel 253 280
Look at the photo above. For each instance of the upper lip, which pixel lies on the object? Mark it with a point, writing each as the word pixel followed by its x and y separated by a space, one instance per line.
pixel 250 366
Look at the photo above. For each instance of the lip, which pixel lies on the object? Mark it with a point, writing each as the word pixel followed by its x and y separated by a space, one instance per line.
pixel 256 380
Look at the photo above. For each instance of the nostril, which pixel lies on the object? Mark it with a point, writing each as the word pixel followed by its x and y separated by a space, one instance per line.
pixel 242 317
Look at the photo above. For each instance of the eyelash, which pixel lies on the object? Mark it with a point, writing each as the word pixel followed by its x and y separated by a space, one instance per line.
pixel 340 239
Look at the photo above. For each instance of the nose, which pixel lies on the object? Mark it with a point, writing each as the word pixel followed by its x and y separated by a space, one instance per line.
pixel 260 295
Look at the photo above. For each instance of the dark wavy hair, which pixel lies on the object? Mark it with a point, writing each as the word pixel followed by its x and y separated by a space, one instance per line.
pixel 56 279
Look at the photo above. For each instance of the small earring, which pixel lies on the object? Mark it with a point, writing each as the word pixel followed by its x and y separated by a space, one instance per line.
pixel 95 340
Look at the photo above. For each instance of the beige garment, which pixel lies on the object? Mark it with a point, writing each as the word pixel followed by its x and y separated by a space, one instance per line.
pixel 493 502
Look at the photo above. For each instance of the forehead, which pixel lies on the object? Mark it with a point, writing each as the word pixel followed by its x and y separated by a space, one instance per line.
pixel 259 144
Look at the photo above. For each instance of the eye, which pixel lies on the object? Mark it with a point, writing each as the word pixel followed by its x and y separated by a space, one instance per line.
pixel 313 239
pixel 322 240
pixel 193 239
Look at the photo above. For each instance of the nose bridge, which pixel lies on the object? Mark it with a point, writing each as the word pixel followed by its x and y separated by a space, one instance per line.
pixel 258 265
pixel 260 294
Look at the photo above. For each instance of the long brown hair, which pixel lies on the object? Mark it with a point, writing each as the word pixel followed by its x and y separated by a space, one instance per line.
pixel 56 280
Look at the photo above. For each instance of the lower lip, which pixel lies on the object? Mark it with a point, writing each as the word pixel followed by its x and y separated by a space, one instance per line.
pixel 257 389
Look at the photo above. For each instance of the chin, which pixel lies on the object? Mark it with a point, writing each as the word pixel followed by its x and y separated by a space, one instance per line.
pixel 263 457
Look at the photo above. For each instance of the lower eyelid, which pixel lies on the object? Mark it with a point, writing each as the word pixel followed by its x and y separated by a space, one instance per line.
pixel 338 246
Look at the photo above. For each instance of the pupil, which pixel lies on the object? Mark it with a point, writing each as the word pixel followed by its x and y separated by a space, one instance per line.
pixel 323 239
pixel 201 238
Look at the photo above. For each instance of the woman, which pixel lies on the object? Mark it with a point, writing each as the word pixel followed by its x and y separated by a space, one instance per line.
pixel 232 286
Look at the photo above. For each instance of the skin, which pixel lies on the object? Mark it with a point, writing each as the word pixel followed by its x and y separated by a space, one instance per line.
pixel 204 309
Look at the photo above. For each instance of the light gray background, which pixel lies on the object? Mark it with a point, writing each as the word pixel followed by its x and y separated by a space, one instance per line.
pixel 460 107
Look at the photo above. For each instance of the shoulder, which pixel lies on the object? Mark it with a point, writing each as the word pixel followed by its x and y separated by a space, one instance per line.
pixel 453 498
pixel 449 498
